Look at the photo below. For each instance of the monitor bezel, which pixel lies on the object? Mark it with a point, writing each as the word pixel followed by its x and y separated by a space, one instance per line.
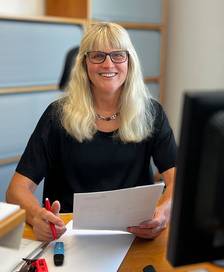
pixel 188 243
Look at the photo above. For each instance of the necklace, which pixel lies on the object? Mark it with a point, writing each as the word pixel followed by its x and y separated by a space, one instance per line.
pixel 109 118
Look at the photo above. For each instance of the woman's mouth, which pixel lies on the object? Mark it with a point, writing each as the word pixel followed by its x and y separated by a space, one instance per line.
pixel 108 75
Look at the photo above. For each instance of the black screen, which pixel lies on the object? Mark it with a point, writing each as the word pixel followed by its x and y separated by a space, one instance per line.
pixel 197 219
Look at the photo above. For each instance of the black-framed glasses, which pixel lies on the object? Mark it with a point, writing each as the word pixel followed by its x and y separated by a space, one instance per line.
pixel 98 57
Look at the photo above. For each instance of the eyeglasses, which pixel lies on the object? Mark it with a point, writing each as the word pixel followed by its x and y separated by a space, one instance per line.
pixel 98 57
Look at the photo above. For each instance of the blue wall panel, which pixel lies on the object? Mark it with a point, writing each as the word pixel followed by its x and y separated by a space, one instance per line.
pixel 131 10
pixel 154 90
pixel 19 114
pixel 6 173
pixel 147 45
pixel 32 53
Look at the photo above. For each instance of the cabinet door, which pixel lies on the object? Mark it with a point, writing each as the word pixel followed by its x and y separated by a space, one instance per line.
pixel 147 11
pixel 147 45
pixel 33 53
pixel 68 8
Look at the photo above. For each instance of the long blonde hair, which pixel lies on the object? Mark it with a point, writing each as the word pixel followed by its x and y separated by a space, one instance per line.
pixel 77 112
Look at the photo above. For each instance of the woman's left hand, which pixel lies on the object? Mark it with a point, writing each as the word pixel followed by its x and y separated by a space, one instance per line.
pixel 150 229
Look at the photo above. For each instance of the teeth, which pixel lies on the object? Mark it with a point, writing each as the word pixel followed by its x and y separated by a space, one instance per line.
pixel 108 74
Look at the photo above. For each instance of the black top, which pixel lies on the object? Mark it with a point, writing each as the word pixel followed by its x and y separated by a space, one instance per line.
pixel 104 163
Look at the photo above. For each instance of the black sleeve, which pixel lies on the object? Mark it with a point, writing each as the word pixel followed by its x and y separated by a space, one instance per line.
pixel 36 158
pixel 164 148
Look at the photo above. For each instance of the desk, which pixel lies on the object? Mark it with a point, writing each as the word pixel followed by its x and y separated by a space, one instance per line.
pixel 142 253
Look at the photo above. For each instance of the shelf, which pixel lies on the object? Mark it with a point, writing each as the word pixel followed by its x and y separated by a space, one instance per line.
pixel 28 89
pixel 9 160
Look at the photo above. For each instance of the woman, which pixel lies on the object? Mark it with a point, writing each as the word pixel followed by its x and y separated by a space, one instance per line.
pixel 100 136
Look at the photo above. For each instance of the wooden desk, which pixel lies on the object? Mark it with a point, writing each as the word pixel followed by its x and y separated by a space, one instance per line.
pixel 143 252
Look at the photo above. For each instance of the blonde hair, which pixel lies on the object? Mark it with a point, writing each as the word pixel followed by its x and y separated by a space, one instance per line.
pixel 77 112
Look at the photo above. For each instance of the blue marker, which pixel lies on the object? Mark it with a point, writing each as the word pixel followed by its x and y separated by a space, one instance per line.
pixel 58 253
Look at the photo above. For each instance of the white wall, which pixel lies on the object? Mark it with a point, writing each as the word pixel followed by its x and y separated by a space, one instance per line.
pixel 195 51
pixel 22 7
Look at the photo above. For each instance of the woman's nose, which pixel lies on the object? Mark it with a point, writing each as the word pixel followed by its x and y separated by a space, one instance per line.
pixel 108 61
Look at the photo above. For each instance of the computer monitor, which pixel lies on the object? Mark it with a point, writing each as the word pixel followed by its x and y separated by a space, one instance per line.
pixel 197 220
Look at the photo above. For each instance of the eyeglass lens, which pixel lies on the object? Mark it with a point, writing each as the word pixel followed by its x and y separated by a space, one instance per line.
pixel 115 56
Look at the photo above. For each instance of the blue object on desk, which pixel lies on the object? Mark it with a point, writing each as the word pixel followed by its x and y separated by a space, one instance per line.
pixel 59 253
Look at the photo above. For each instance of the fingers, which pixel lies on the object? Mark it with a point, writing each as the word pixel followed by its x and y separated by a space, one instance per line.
pixel 42 232
pixel 147 233
pixel 149 224
pixel 51 217
pixel 46 234
pixel 41 229
pixel 153 224
pixel 41 226
pixel 60 231
pixel 149 229
pixel 55 208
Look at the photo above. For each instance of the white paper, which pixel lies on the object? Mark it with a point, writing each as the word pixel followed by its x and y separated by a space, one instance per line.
pixel 115 210
pixel 90 251
pixel 10 258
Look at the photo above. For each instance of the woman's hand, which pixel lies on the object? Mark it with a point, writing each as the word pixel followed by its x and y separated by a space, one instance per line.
pixel 150 229
pixel 41 226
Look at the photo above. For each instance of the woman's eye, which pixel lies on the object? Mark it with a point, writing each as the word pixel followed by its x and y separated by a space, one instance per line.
pixel 119 55
pixel 99 56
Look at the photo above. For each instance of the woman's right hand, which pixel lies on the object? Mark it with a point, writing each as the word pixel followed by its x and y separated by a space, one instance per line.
pixel 41 220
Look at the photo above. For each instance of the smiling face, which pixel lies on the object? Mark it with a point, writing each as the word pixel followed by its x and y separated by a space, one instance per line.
pixel 107 77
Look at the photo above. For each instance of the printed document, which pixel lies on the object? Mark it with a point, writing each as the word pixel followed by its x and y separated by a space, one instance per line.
pixel 117 209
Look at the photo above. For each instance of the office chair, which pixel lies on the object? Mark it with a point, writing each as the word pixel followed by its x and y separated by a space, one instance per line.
pixel 68 64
